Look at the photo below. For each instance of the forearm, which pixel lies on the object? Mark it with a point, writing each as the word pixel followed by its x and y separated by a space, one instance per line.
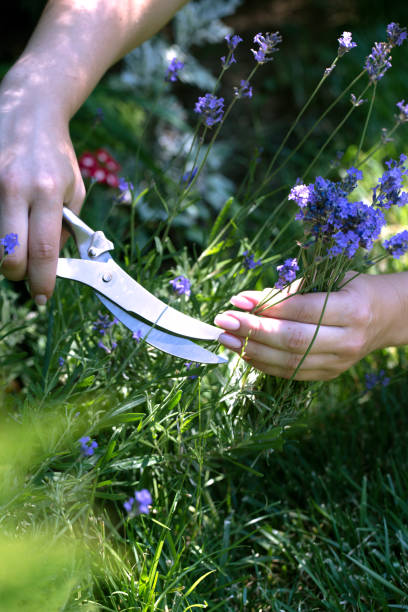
pixel 76 41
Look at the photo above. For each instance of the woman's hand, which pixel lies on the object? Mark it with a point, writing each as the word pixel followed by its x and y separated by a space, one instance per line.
pixel 38 175
pixel 370 312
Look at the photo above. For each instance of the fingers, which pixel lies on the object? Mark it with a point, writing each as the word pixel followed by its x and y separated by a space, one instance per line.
pixel 289 336
pixel 339 309
pixel 43 247
pixel 302 374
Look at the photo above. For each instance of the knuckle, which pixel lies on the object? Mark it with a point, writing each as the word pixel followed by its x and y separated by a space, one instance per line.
pixel 11 182
pixel 46 186
pixel 296 340
pixel 354 347
pixel 358 316
pixel 256 329
pixel 44 250
pixel 293 361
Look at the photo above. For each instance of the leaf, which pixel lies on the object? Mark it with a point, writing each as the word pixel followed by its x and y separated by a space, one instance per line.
pixel 222 216
pixel 197 582
pixel 225 244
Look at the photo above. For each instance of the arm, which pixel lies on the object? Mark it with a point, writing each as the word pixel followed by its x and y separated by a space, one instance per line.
pixel 369 313
pixel 74 44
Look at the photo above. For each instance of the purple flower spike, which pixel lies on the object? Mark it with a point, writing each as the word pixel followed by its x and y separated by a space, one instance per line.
pixel 244 90
pixel 144 499
pixel 233 41
pixel 10 242
pixel 125 185
pixel 210 108
pixel 137 335
pixel 388 192
pixel 378 62
pixel 88 446
pixel 301 194
pixel 397 245
pixel 345 43
pixel 128 505
pixel 249 261
pixel 287 273
pixel 267 44
pixel 173 69
pixel 403 111
pixel 396 35
pixel 181 285
pixel 372 379
pixel 188 177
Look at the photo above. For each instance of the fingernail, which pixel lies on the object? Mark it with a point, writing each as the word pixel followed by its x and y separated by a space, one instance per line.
pixel 241 302
pixel 40 300
pixel 227 322
pixel 230 341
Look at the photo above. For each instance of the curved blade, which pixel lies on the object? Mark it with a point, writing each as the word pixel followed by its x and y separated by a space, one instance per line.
pixel 179 347
pixel 111 281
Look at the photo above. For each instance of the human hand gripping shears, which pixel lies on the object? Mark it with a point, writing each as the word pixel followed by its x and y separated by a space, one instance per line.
pixel 157 323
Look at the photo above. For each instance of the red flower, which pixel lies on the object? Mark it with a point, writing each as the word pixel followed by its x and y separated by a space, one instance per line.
pixel 100 166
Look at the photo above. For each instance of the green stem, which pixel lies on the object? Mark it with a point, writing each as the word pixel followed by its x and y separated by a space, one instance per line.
pixel 363 135
pixel 332 135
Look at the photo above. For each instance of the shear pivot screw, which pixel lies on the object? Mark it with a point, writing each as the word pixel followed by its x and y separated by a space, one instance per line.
pixel 92 252
pixel 107 277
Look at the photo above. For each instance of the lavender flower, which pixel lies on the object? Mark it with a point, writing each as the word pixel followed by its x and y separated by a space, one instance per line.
pixel 181 285
pixel 403 114
pixel 142 498
pixel 329 216
pixel 267 44
pixel 104 347
pixel 345 43
pixel 128 505
pixel 301 194
pixel 378 62
pixel 244 90
pixel 396 35
pixel 9 242
pixel 188 177
pixel 356 101
pixel 372 379
pixel 226 61
pixel 61 361
pixel 137 335
pixel 88 446
pixel 173 69
pixel 388 192
pixel 397 245
pixel 103 323
pixel 233 42
pixel 287 273
pixel 188 365
pixel 125 185
pixel 249 261
pixel 210 108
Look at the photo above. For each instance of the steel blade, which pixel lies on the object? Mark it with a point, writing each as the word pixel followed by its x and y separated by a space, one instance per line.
pixel 111 281
pixel 174 345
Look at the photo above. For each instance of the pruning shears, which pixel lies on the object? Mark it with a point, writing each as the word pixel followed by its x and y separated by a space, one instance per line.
pixel 130 303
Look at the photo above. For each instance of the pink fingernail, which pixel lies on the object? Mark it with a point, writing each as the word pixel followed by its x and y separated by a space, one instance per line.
pixel 40 300
pixel 230 341
pixel 227 322
pixel 241 302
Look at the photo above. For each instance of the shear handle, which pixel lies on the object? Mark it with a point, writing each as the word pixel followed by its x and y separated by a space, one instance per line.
pixel 90 244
